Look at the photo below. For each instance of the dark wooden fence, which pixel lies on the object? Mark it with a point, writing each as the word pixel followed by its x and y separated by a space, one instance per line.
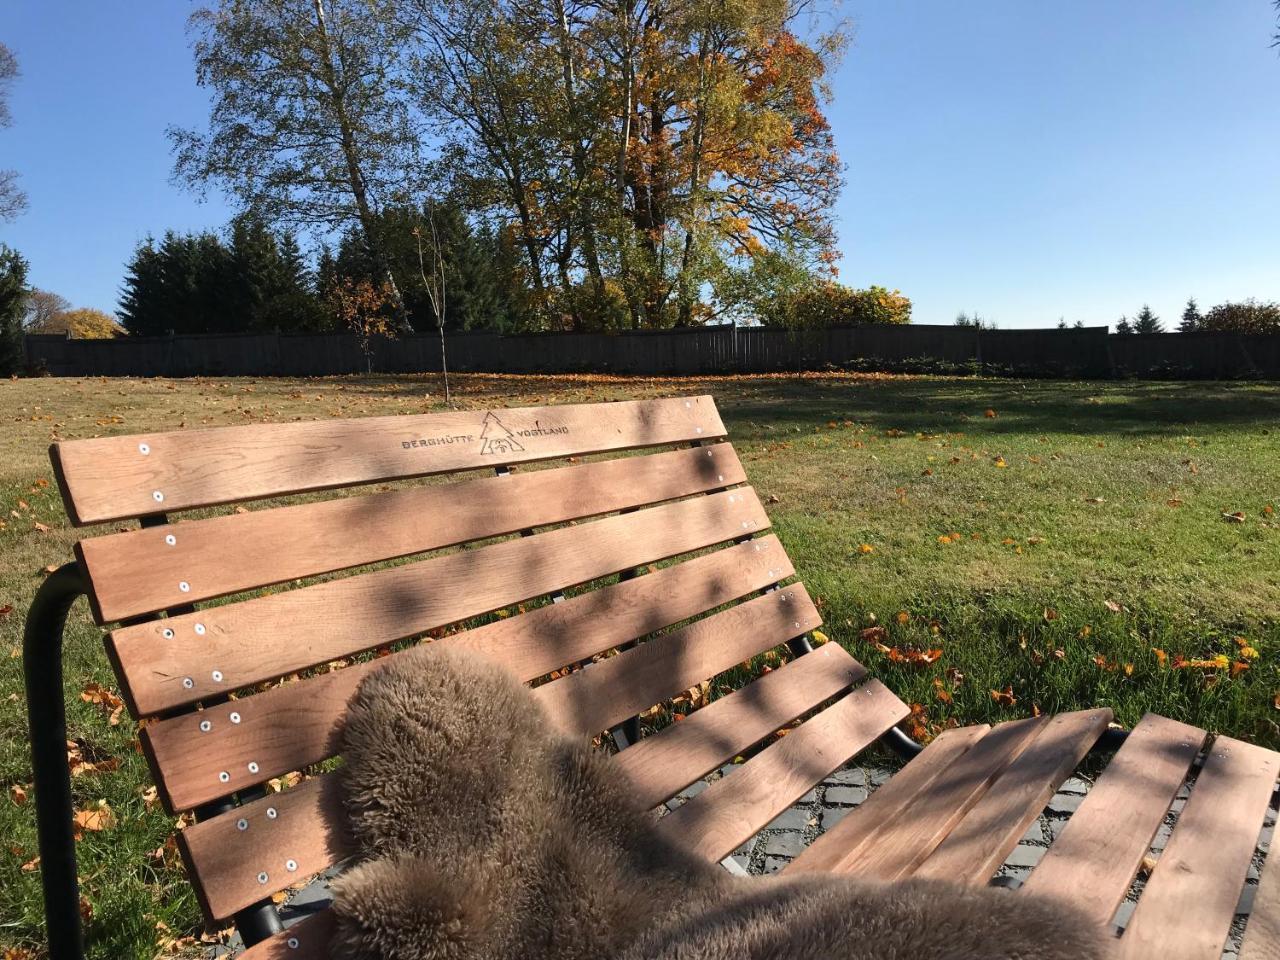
pixel 1088 352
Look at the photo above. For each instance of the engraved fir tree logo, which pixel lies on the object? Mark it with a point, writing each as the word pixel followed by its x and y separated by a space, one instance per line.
pixel 496 438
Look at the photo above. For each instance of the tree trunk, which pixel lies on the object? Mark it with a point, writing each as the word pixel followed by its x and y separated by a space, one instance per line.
pixel 355 175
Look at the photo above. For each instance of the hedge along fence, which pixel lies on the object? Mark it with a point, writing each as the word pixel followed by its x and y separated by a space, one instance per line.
pixel 1088 352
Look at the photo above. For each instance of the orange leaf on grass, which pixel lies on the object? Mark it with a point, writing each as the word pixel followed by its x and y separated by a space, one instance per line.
pixel 940 689
pixel 1004 697
pixel 100 817
pixel 876 634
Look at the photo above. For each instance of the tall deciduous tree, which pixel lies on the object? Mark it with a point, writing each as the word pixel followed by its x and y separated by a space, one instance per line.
pixel 85 323
pixel 42 310
pixel 306 127
pixel 1248 316
pixel 13 200
pixel 634 150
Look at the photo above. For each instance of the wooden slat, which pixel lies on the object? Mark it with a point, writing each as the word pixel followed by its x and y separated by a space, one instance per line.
pixel 273 636
pixel 975 850
pixel 1186 908
pixel 904 842
pixel 297 724
pixel 112 478
pixel 225 862
pixel 306 940
pixel 659 766
pixel 1262 933
pixel 839 846
pixel 608 692
pixel 1095 859
pixel 735 807
pixel 139 571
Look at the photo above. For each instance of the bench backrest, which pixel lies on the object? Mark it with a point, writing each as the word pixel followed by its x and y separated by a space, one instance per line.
pixel 241 693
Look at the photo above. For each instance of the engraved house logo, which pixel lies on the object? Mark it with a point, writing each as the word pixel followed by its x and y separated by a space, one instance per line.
pixel 496 438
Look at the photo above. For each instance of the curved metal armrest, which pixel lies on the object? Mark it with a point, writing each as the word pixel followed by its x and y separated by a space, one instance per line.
pixel 47 729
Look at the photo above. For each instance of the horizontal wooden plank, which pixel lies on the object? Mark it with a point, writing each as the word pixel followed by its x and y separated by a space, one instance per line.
pixel 606 693
pixel 1186 908
pixel 306 940
pixel 140 571
pixel 837 847
pixel 225 861
pixel 905 841
pixel 978 846
pixel 661 765
pixel 1262 933
pixel 255 850
pixel 735 807
pixel 1094 860
pixel 112 478
pixel 179 660
pixel 297 724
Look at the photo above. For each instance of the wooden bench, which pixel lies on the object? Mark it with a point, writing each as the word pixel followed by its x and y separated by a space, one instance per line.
pixel 237 694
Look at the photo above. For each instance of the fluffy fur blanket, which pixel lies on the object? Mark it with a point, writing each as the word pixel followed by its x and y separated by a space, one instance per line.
pixel 486 834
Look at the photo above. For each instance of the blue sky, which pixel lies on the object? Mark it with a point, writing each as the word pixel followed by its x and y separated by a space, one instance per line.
pixel 1022 160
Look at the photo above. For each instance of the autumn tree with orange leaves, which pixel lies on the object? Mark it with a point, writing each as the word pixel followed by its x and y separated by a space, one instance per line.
pixel 644 156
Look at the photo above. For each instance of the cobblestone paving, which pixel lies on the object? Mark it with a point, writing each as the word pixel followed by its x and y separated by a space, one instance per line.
pixel 832 800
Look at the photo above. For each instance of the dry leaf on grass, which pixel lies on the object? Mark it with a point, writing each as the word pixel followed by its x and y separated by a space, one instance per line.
pixel 94 819
pixel 1004 697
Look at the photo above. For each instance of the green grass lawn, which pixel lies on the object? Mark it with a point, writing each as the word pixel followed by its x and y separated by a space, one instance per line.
pixel 1062 544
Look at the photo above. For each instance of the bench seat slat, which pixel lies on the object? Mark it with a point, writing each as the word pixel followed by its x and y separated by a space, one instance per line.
pixel 1187 906
pixel 837 847
pixel 132 573
pixel 1096 857
pixel 975 849
pixel 226 647
pixel 300 723
pixel 735 807
pixel 660 766
pixel 608 692
pixel 114 478
pixel 307 939
pixel 224 861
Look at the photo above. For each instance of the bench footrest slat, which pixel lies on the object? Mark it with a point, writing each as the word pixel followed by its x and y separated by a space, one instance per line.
pixel 1186 908
pixel 977 847
pixel 1095 859
pixel 836 849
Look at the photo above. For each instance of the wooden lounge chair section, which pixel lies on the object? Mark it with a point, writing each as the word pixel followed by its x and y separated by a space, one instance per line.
pixel 614 556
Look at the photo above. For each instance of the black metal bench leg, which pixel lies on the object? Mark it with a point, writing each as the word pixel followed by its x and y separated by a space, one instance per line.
pixel 47 722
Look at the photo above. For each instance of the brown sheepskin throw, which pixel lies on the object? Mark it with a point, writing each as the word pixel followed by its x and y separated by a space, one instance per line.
pixel 485 834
